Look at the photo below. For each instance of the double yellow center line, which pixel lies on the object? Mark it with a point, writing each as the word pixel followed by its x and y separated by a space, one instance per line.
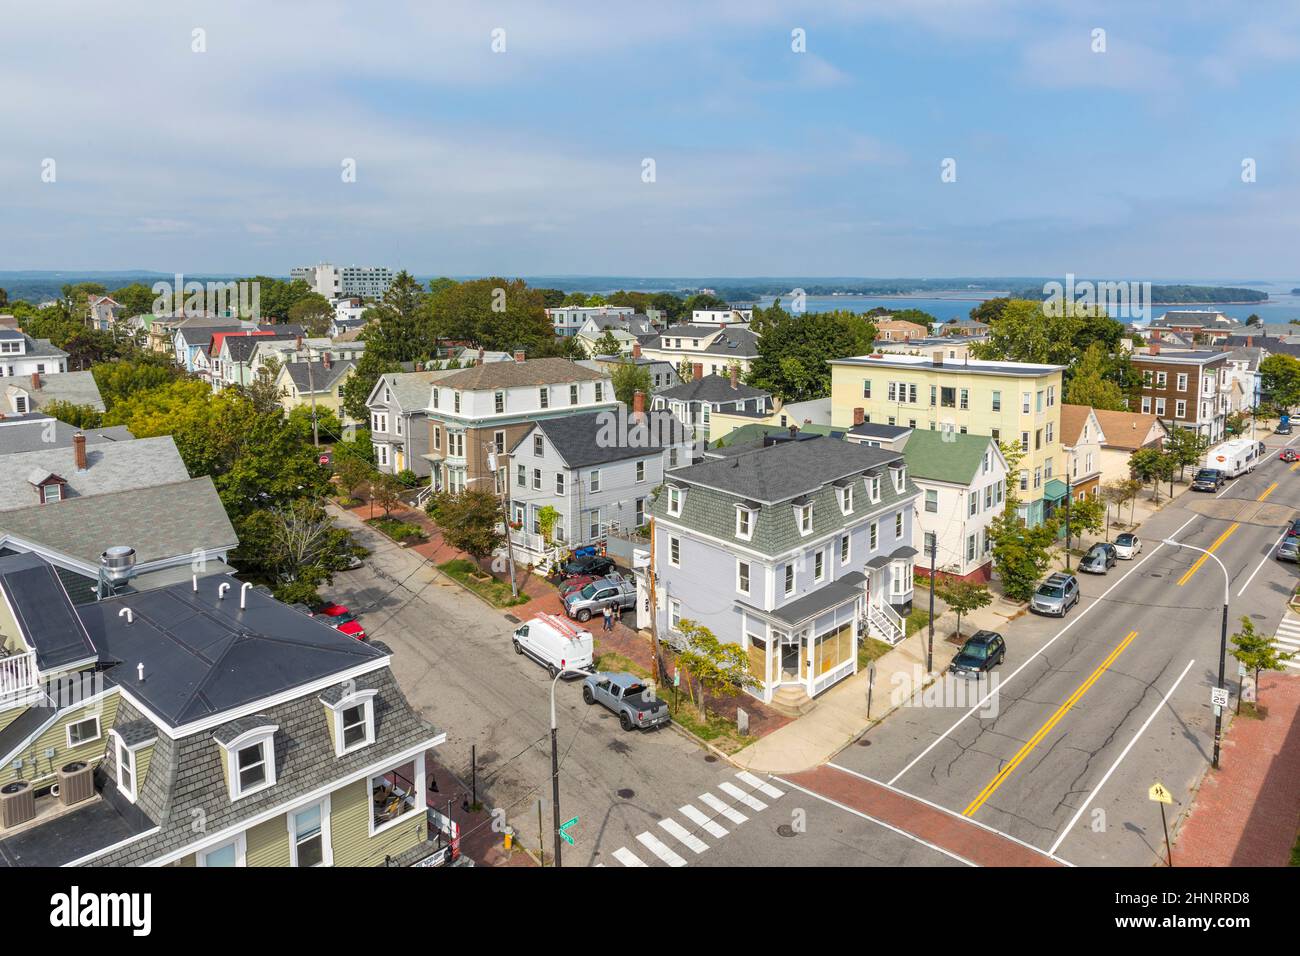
pixel 1046 729
pixel 1196 566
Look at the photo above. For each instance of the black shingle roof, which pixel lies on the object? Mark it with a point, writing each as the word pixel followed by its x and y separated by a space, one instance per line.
pixel 44 612
pixel 581 439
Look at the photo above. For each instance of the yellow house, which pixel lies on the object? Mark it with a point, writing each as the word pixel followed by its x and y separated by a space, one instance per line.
pixel 1012 402
pixel 298 382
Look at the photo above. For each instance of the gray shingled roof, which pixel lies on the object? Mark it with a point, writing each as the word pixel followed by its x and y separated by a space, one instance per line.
pixel 740 343
pixel 162 521
pixel 715 389
pixel 116 466
pixel 411 389
pixel 540 371
pixel 314 376
pixel 33 432
pixel 79 388
pixel 186 782
pixel 577 438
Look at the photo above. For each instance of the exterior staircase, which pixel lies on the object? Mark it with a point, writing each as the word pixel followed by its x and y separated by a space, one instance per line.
pixel 885 624
pixel 792 701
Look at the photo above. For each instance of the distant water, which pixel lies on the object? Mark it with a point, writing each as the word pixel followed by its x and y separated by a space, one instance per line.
pixel 1279 309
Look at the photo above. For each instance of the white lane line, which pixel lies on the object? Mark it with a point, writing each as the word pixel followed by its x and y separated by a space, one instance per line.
pixel 697 816
pixel 733 791
pixel 858 813
pixel 1124 753
pixel 1012 676
pixel 685 836
pixel 760 785
pixel 628 858
pixel 951 813
pixel 659 849
pixel 717 806
pixel 1262 561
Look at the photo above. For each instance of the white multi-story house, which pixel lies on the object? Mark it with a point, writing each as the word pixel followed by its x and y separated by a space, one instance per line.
pixel 568 319
pixel 963 483
pixel 22 356
pixel 721 316
pixel 713 348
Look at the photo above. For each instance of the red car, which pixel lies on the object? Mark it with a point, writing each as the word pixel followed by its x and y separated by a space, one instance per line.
pixel 1289 454
pixel 341 619
pixel 568 585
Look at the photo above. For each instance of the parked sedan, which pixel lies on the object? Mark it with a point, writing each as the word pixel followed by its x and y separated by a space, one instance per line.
pixel 1128 546
pixel 983 651
pixel 580 581
pixel 1293 529
pixel 1288 549
pixel 595 565
pixel 1289 454
pixel 1100 558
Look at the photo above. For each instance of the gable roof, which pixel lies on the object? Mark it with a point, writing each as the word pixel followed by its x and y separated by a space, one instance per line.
pixel 730 340
pixel 945 456
pixel 539 371
pixel 1127 430
pixel 111 466
pixel 578 438
pixel 713 389
pixel 34 431
pixel 314 376
pixel 410 390
pixel 78 388
pixel 1073 418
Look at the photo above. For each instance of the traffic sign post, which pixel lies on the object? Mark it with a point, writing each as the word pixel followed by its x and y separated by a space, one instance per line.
pixel 564 830
pixel 1160 795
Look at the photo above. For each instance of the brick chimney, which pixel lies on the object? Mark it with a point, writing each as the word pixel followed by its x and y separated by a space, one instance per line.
pixel 697 371
pixel 36 381
pixel 859 416
pixel 519 355
pixel 480 355
pixel 1250 341
pixel 735 377
pixel 1153 348
pixel 298 344
pixel 636 350
pixel 79 451
pixel 638 405
pixel 325 360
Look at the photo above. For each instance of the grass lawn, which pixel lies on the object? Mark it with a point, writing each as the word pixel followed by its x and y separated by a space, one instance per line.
pixel 617 663
pixel 871 649
pixel 399 531
pixel 495 592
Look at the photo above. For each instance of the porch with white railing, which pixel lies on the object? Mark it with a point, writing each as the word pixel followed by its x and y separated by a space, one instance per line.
pixel 884 623
pixel 18 674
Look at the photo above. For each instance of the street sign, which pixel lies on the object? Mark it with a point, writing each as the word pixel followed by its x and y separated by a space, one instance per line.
pixel 1241 669
pixel 1219 696
pixel 677 677
pixel 1159 794
pixel 564 831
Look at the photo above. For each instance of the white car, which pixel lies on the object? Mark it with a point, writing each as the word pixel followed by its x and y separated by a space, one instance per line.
pixel 1128 546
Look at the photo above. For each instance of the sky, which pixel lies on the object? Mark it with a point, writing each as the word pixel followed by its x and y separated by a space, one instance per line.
pixel 1116 154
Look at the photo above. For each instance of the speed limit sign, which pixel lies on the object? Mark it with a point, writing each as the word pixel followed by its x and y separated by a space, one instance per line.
pixel 1219 696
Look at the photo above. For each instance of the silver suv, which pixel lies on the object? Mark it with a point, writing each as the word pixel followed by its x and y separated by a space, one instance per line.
pixel 1056 595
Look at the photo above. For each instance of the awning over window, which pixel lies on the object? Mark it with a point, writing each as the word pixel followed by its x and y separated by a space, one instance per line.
pixel 1055 490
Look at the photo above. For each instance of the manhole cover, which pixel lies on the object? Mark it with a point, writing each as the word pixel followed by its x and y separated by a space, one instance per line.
pixel 864 742
pixel 627 794
pixel 512 619
pixel 709 758
pixel 785 830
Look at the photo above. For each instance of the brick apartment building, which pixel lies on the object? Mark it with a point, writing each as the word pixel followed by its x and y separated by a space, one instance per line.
pixel 1185 389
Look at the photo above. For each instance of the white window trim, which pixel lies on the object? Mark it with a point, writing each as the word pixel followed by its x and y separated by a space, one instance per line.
pixel 799 511
pixel 258 735
pixel 846 499
pixel 99 731
pixel 749 513
pixel 366 698
pixel 119 745
pixel 671 562
pixel 420 798
pixel 241 851
pixel 327 851
pixel 739 588
pixel 679 495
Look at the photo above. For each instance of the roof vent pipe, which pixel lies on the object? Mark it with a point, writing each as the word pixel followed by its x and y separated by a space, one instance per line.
pixel 221 591
pixel 194 579
pixel 139 672
pixel 127 613
pixel 243 589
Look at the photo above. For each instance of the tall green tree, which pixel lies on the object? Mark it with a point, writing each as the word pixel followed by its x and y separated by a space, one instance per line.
pixel 1184 447
pixel 961 596
pixel 401 327
pixel 495 314
pixel 793 350
pixel 1089 384
pixel 1257 652
pixel 470 521
pixel 628 379
pixel 1280 381
pixel 1021 554
pixel 313 312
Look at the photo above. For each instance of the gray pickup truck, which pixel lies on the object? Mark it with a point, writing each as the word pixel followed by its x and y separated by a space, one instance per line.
pixel 614 591
pixel 628 696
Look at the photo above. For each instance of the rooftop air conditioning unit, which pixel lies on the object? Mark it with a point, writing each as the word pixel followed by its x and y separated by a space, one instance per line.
pixel 17 803
pixel 76 782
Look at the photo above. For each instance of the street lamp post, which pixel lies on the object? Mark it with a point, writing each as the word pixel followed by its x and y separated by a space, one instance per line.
pixel 1223 641
pixel 555 758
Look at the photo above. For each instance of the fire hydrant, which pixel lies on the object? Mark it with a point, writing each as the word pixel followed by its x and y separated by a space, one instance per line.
pixel 509 838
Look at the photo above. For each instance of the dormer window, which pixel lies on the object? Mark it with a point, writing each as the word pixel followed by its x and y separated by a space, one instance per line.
pixel 249 749
pixel 846 499
pixel 49 487
pixel 803 517
pixel 899 473
pixel 873 488
pixel 744 523
pixel 675 496
pixel 353 716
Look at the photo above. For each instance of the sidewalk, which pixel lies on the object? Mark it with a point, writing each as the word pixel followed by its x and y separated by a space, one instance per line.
pixel 1248 812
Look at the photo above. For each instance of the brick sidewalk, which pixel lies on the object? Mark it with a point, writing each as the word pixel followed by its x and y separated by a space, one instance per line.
pixel 1248 812
pixel 478 840
pixel 964 838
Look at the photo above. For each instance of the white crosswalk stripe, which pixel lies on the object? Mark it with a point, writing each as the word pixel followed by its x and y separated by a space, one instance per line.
pixel 761 786
pixel 628 858
pixel 731 790
pixel 700 819
pixel 713 803
pixel 659 849
pixel 684 835
pixel 1287 640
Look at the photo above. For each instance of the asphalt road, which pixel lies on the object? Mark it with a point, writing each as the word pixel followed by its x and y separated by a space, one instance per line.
pixel 1092 710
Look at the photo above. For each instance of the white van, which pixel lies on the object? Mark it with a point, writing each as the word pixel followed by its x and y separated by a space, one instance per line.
pixel 555 643
pixel 1234 457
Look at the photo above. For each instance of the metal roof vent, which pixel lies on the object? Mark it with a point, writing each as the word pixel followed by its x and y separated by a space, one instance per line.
pixel 116 567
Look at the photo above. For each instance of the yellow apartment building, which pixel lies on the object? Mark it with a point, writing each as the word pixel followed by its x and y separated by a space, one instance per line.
pixel 1015 402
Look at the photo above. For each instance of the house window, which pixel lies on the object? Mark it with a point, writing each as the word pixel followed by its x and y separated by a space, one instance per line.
pixel 499 442
pixel 948 397
pixel 1162 379
pixel 675 502
pixel 844 548
pixel 559 482
pixel 397 795
pixel 1024 441
pixel 988 497
pixel 522 479
pixel 1180 408
pixel 803 514
pixel 1182 381
pixel 1024 479
pixel 538 446
pixel 1160 406
pixel 600 391
pixel 675 552
pixel 537 479
pixel 674 614
pixel 997 401
pixel 866 388
pixel 846 499
pixel 640 471
pixel 898 524
pixel 640 512
pixel 964 402
pixel 970 547
pixel 1146 405
pixel 594 476
pixel 873 535
pixel 125 769
pixel 1049 433
pixel 819 566
pixel 354 724
pixel 1051 395
pixel 875 489
pixel 251 764
pixel 573 395
pixel 931 500
pixel 83 732
pixel 928 544
pixel 742 577
pixel 744 523
pixel 789 579
pixel 1024 403
pixel 54 491
pixel 230 853
pixel 307 843
pixel 499 402
pixel 973 508
pixel 544 397
pixel 455 402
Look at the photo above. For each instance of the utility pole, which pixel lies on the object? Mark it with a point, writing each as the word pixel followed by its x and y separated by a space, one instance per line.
pixel 1069 492
pixel 654 609
pixel 311 386
pixel 505 513
pixel 929 650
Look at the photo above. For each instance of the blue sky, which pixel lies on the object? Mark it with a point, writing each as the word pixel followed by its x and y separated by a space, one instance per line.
pixel 1125 163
